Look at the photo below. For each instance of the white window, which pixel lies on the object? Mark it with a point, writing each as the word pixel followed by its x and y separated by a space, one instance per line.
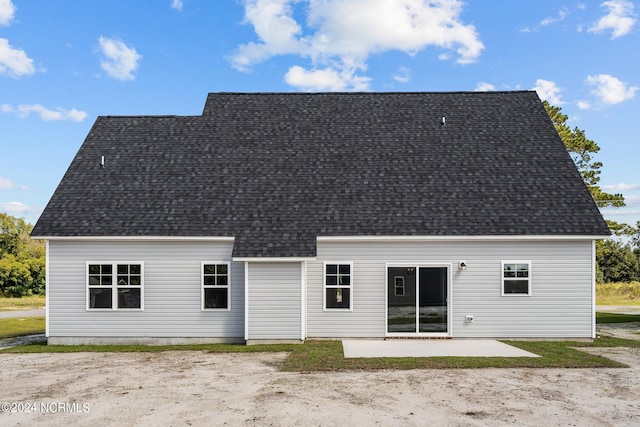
pixel 215 286
pixel 115 285
pixel 516 277
pixel 338 285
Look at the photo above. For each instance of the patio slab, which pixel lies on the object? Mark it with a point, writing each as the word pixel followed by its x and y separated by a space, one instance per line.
pixel 431 348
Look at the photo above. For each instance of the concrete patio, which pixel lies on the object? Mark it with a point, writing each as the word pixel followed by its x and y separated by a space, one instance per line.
pixel 431 348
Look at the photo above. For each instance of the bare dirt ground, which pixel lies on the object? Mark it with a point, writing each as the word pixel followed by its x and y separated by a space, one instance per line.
pixel 204 389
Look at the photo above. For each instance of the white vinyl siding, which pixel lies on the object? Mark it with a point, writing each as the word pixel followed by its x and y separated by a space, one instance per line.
pixel 560 306
pixel 274 300
pixel 172 291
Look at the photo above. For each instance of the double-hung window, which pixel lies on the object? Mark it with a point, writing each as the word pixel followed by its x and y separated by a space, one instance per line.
pixel 516 277
pixel 215 285
pixel 338 285
pixel 115 286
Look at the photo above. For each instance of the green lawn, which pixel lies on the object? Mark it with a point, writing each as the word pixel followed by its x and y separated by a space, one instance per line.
pixel 24 303
pixel 604 318
pixel 328 356
pixel 19 326
pixel 313 356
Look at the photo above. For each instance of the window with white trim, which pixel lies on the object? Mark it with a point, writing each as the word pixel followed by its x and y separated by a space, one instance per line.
pixel 114 286
pixel 516 277
pixel 215 286
pixel 338 285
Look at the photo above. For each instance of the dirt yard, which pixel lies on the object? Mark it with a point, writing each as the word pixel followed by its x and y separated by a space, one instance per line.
pixel 202 389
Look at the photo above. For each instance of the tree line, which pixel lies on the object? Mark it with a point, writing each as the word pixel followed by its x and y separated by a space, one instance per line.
pixel 22 260
pixel 618 257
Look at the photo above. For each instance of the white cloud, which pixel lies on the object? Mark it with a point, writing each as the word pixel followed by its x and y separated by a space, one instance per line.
pixel 177 5
pixel 338 36
pixel 550 20
pixel 549 91
pixel 609 89
pixel 403 75
pixel 119 60
pixel 621 187
pixel 14 62
pixel 620 19
pixel 584 105
pixel 327 79
pixel 361 27
pixel 6 184
pixel 7 12
pixel 274 25
pixel 485 87
pixel 18 209
pixel 59 114
pixel 553 19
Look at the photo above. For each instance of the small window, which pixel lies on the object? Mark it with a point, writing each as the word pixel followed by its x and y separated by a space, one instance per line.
pixel 516 278
pixel 215 285
pixel 114 286
pixel 337 284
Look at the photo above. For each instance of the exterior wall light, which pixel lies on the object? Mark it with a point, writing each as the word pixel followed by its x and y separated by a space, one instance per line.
pixel 462 265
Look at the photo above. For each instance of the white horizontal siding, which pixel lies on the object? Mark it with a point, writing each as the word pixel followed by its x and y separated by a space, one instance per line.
pixel 172 291
pixel 275 302
pixel 560 304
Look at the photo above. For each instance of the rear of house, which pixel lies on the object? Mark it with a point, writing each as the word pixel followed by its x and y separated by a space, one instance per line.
pixel 293 216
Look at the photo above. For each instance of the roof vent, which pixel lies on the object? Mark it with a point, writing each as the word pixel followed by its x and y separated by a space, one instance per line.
pixel 443 121
pixel 102 162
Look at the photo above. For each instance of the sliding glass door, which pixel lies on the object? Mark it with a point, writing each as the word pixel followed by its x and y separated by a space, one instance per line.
pixel 417 299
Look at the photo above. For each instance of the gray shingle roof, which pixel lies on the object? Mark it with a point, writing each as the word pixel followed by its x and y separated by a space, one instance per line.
pixel 276 170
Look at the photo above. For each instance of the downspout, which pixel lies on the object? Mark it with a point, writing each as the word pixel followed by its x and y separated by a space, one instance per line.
pixel 246 301
pixel 303 301
pixel 46 289
pixel 593 289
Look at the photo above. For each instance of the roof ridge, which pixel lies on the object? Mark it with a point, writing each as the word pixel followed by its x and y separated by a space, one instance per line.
pixel 151 116
pixel 378 93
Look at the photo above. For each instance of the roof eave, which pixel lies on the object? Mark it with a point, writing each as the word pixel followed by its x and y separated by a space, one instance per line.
pixel 458 238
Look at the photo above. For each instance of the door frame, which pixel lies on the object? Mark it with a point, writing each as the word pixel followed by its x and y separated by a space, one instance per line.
pixel 417 265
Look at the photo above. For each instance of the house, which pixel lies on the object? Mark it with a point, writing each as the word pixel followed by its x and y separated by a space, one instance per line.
pixel 295 216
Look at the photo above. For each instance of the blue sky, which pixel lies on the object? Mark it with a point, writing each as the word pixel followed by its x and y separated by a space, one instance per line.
pixel 63 63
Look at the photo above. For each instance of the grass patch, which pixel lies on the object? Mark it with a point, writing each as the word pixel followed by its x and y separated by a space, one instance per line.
pixel 17 327
pixel 24 303
pixel 604 318
pixel 207 348
pixel 618 293
pixel 327 356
